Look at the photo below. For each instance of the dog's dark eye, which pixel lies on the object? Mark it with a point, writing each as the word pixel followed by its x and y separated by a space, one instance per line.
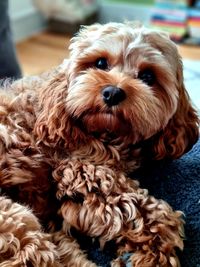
pixel 101 63
pixel 147 76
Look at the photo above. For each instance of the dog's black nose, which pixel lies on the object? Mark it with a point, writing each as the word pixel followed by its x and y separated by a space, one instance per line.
pixel 112 95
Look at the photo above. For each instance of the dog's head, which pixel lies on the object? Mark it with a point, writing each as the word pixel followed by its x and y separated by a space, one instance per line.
pixel 125 82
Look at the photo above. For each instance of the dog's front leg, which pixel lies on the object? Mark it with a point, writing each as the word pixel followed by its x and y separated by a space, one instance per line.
pixel 97 200
pixel 139 224
pixel 104 203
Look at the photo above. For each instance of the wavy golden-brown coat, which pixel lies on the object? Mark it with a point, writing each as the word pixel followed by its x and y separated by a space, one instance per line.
pixel 66 153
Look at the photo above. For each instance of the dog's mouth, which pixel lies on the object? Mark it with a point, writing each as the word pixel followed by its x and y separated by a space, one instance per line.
pixel 106 122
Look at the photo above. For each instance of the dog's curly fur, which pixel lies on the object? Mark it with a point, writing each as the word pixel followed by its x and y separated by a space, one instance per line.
pixel 67 154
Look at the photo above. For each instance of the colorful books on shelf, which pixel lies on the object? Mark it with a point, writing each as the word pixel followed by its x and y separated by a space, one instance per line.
pixel 171 16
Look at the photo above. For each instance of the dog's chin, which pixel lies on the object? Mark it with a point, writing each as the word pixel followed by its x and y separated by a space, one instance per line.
pixel 106 124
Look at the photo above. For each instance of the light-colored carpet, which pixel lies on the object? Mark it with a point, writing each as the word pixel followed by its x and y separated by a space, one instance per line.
pixel 192 80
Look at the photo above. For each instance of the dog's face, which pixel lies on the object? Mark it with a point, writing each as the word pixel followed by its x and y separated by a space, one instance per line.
pixel 123 81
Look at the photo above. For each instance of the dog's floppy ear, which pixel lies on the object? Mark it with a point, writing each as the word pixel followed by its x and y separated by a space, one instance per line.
pixel 51 121
pixel 53 125
pixel 181 132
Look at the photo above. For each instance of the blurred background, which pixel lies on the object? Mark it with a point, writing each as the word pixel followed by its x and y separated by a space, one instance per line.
pixel 41 29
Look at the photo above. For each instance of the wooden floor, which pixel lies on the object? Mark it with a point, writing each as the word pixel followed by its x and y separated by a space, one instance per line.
pixel 46 50
pixel 41 52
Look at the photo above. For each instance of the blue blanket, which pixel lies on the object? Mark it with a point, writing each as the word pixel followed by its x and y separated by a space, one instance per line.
pixel 177 182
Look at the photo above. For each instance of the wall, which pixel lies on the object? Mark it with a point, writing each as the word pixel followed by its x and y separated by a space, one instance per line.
pixel 25 19
pixel 121 11
pixel 146 2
